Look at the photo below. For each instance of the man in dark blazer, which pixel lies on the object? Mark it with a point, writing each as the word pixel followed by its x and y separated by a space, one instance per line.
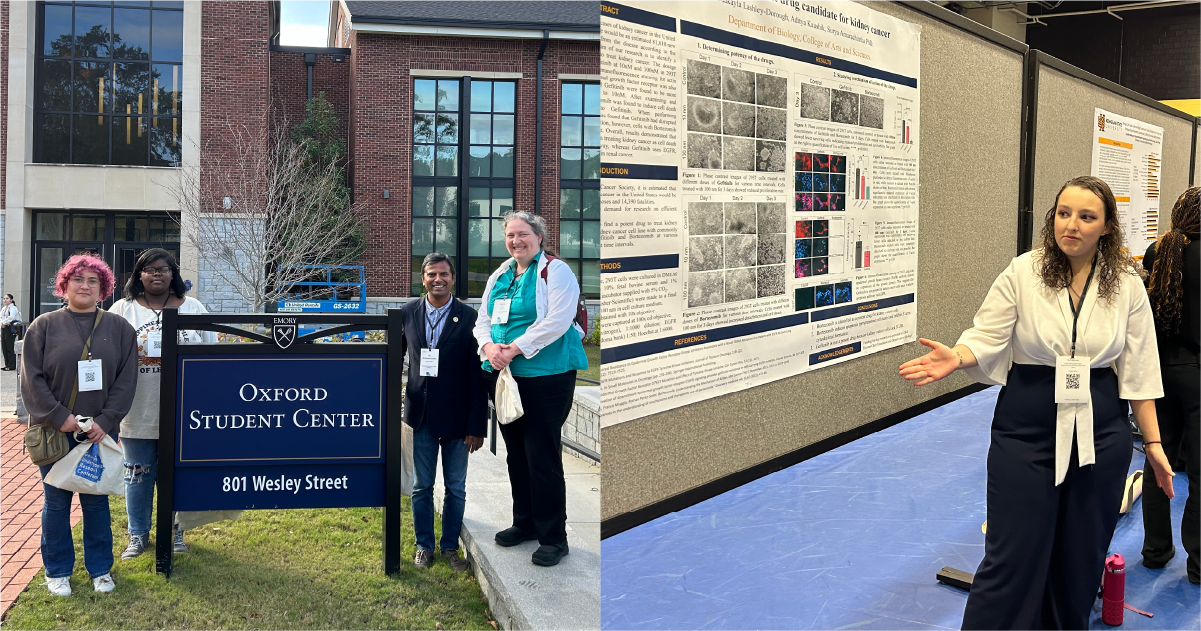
pixel 445 404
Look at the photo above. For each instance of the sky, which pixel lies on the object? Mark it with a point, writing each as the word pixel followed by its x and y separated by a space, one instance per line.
pixel 304 22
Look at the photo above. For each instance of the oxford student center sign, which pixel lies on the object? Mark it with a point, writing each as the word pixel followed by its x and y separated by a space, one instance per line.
pixel 281 421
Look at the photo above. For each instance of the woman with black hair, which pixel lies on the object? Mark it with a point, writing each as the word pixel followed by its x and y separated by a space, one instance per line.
pixel 9 315
pixel 1174 262
pixel 154 285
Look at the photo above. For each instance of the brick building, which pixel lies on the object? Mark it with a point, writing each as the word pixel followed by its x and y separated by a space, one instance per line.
pixel 107 102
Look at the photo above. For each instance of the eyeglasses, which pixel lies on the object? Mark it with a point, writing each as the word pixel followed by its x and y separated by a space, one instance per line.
pixel 157 271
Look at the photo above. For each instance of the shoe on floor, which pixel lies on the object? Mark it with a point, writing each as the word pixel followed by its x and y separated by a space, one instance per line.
pixel 1154 562
pixel 103 584
pixel 512 536
pixel 60 586
pixel 423 558
pixel 177 543
pixel 548 555
pixel 456 562
pixel 137 545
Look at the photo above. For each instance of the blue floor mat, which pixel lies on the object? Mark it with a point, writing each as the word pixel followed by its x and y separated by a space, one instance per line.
pixel 851 539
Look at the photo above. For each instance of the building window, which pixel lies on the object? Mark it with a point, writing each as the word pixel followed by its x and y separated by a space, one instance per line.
pixel 108 83
pixel 579 184
pixel 448 160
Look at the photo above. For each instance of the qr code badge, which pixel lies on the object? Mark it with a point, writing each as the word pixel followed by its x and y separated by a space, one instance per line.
pixel 89 377
pixel 1073 381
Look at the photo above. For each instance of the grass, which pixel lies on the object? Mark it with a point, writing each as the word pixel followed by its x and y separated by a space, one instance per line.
pixel 594 364
pixel 271 569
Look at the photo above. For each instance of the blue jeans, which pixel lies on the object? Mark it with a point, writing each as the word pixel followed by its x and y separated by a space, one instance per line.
pixel 454 474
pixel 141 470
pixel 58 550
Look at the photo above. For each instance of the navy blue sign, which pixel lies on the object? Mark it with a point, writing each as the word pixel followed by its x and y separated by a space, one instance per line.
pixel 288 486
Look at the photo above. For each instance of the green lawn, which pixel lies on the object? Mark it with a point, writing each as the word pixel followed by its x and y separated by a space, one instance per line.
pixel 272 569
pixel 594 364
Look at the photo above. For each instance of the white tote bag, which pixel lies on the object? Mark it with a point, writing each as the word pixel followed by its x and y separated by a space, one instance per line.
pixel 92 468
pixel 508 399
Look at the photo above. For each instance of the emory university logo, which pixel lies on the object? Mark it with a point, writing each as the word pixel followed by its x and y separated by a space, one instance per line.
pixel 284 332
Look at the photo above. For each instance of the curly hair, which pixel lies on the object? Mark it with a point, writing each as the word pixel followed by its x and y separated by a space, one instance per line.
pixel 1166 286
pixel 134 286
pixel 1053 265
pixel 76 265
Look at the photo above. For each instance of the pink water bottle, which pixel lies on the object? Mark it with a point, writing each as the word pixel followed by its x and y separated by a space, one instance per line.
pixel 1113 590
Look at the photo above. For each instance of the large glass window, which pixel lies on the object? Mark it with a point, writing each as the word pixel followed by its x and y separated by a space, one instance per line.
pixel 463 162
pixel 579 184
pixel 109 83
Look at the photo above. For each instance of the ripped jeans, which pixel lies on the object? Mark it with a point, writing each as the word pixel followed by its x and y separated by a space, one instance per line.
pixel 141 471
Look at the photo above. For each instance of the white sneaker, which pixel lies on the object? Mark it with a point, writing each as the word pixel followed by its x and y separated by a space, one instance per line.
pixel 60 586
pixel 103 584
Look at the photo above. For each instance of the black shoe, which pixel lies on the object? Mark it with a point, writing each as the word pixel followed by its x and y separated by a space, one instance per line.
pixel 548 555
pixel 1155 562
pixel 512 536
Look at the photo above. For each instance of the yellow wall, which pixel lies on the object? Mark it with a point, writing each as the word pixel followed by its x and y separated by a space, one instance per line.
pixel 1192 107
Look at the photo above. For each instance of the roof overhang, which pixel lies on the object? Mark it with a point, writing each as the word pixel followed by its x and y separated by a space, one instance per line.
pixel 468 31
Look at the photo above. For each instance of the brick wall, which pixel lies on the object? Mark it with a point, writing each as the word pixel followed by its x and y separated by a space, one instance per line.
pixel 289 86
pixel 381 142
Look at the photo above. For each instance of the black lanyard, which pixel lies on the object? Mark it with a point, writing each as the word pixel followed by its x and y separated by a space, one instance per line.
pixel 1075 311
pixel 87 340
pixel 430 343
pixel 158 315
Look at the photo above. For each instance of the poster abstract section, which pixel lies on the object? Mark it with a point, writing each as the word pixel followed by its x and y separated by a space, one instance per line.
pixel 759 194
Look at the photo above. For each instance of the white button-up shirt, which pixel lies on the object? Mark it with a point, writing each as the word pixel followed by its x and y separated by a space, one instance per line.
pixel 1023 321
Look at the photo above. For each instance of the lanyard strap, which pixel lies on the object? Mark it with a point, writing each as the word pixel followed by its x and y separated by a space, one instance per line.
pixel 87 341
pixel 158 315
pixel 1075 311
pixel 430 341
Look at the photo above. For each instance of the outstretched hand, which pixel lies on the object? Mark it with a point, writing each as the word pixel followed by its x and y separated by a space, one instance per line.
pixel 938 363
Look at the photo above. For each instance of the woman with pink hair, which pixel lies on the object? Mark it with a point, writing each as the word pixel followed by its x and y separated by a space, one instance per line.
pixel 57 345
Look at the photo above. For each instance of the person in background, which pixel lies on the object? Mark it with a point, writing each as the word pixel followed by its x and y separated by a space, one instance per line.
pixel 445 404
pixel 154 285
pixel 9 315
pixel 1175 279
pixel 526 322
pixel 53 392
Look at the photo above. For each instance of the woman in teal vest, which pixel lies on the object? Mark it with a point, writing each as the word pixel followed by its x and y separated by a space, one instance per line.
pixel 527 324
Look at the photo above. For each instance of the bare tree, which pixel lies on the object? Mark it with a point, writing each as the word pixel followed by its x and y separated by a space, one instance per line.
pixel 263 211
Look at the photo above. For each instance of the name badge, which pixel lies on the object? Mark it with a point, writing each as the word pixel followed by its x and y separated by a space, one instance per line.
pixel 500 311
pixel 154 344
pixel 1072 379
pixel 91 376
pixel 429 362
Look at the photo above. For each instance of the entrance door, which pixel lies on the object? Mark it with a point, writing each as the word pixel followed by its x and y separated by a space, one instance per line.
pixel 47 259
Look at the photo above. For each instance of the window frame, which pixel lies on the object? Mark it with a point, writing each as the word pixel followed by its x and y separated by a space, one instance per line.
pixel 580 183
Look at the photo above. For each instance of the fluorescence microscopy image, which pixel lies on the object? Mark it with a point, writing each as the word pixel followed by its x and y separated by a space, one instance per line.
pixel 704 115
pixel 844 107
pixel 771 124
pixel 704 218
pixel 704 151
pixel 804 161
pixel 803 229
pixel 842 293
pixel 740 251
pixel 838 164
pixel 823 295
pixel 771 90
pixel 771 248
pixel 704 253
pixel 805 202
pixel 821 266
pixel 740 284
pixel 821 227
pixel 821 247
pixel 802 270
pixel 770 156
pixel 738 119
pixel 740 218
pixel 821 162
pixel 838 183
pixel 821 202
pixel 737 85
pixel 806 181
pixel 821 182
pixel 838 201
pixel 706 288
pixel 804 296
pixel 871 112
pixel 739 153
pixel 771 280
pixel 704 79
pixel 803 248
pixel 773 217
pixel 815 102
pixel 796 177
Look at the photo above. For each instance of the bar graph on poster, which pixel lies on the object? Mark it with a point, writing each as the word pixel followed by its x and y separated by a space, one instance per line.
pixel 759 194
pixel 1127 154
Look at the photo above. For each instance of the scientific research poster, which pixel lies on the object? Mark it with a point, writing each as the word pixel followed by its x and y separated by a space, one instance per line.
pixel 759 194
pixel 1126 154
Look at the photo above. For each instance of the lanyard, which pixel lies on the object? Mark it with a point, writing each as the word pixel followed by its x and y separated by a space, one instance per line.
pixel 431 343
pixel 158 315
pixel 1075 311
pixel 87 341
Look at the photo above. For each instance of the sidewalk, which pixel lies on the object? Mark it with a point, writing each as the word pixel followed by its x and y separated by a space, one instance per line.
pixel 520 594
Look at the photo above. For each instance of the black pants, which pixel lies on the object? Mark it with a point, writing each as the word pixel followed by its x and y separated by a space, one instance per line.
pixel 534 444
pixel 1178 428
pixel 6 343
pixel 1045 548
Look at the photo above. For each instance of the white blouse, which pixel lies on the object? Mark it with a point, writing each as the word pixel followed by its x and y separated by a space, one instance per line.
pixel 1022 321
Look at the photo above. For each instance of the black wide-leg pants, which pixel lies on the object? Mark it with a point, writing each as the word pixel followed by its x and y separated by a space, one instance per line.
pixel 1179 425
pixel 1045 549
